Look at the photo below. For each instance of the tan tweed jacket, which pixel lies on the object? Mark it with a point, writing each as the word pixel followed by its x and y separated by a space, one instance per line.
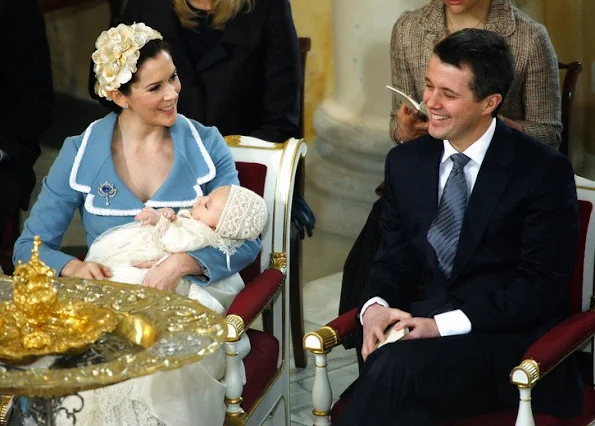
pixel 534 97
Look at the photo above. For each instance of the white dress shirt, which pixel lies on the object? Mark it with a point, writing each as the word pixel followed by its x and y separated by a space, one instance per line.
pixel 454 322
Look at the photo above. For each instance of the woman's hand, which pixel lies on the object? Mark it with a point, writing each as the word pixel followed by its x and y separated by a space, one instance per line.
pixel 87 270
pixel 411 125
pixel 514 124
pixel 165 275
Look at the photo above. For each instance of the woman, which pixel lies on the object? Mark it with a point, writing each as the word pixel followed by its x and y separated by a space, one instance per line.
pixel 143 155
pixel 237 59
pixel 533 103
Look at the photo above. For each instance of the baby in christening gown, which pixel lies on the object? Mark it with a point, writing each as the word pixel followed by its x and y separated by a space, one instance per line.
pixel 191 395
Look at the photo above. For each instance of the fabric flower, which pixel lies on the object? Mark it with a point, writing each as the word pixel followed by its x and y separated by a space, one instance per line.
pixel 117 54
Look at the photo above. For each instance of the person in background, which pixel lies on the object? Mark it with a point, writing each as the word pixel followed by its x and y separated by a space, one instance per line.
pixel 238 61
pixel 28 102
pixel 533 103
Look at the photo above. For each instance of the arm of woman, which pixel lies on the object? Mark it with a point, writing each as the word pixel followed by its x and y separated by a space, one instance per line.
pixel 404 125
pixel 52 212
pixel 282 73
pixel 541 91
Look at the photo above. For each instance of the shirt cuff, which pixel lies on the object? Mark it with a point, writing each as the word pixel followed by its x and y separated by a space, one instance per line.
pixel 2 155
pixel 452 323
pixel 369 303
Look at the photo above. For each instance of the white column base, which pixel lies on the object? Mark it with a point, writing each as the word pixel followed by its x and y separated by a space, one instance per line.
pixel 344 167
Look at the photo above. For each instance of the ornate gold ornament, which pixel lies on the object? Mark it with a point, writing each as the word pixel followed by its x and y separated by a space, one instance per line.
pixel 35 323
pixel 153 331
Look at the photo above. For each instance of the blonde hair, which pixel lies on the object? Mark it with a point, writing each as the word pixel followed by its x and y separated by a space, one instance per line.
pixel 223 11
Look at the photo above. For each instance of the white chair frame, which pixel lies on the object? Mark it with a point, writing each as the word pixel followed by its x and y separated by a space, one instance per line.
pixel 281 160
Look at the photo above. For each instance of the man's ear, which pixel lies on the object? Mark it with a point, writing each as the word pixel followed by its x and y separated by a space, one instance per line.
pixel 119 98
pixel 492 102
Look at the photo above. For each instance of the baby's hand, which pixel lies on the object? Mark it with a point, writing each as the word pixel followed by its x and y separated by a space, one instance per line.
pixel 148 216
pixel 167 213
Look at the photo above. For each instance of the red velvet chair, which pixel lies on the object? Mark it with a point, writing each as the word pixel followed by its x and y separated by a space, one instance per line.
pixel 574 334
pixel 268 169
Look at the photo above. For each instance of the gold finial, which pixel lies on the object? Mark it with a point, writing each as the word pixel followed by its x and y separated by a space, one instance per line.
pixel 34 294
pixel 34 270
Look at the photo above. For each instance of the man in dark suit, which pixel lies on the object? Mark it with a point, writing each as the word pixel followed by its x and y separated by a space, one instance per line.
pixel 479 227
pixel 26 111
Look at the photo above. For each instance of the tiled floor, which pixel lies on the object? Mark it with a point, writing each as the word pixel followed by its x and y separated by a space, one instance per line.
pixel 324 255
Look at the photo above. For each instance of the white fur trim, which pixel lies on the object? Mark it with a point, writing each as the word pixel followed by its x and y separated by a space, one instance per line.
pixel 186 203
pixel 77 162
pixel 212 172
pixel 150 203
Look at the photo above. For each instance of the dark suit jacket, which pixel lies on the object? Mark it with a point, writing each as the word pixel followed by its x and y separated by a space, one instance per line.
pixel 249 82
pixel 26 111
pixel 515 253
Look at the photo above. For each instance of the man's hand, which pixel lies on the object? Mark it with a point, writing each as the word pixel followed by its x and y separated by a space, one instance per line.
pixel 375 320
pixel 419 328
pixel 411 125
pixel 87 270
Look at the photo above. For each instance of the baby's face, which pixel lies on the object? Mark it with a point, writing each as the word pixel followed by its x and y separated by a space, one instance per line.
pixel 208 209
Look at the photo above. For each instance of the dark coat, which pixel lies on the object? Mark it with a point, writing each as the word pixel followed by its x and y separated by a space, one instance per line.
pixel 28 98
pixel 249 82
pixel 514 259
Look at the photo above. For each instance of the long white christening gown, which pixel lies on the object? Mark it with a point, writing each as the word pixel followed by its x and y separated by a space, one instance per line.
pixel 193 394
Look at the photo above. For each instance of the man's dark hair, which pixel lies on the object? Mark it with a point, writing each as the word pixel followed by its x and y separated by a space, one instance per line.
pixel 488 56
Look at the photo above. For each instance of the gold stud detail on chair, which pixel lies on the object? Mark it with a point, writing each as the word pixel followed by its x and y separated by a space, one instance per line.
pixel 279 261
pixel 235 327
pixel 529 369
pixel 321 341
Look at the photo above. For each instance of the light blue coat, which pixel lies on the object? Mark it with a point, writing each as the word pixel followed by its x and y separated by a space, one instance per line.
pixel 202 162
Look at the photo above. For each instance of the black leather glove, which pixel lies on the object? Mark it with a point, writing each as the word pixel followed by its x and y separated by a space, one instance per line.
pixel 302 216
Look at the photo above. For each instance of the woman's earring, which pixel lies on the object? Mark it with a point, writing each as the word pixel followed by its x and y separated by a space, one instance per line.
pixel 125 106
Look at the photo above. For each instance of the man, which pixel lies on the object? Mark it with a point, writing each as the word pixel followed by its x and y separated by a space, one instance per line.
pixel 26 110
pixel 479 227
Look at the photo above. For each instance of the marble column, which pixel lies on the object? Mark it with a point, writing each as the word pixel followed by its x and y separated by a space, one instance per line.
pixel 347 159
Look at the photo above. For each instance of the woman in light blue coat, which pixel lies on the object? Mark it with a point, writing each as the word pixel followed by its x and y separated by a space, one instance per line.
pixel 142 154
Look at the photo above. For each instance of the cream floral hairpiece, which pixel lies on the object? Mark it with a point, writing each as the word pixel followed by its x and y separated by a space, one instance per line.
pixel 117 53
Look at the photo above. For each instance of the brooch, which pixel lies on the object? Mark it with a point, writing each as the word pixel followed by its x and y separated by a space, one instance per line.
pixel 107 190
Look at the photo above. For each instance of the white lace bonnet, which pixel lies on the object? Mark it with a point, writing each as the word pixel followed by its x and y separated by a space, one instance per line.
pixel 244 215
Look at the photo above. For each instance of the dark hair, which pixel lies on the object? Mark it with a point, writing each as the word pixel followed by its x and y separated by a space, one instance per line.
pixel 148 51
pixel 488 56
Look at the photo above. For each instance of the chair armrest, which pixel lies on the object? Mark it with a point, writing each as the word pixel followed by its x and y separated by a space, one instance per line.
pixel 250 302
pixel 557 344
pixel 330 335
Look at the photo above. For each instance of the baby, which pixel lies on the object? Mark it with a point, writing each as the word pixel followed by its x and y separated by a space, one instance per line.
pixel 224 219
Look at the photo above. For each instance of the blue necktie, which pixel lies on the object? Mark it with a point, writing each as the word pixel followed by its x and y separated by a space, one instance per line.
pixel 445 229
